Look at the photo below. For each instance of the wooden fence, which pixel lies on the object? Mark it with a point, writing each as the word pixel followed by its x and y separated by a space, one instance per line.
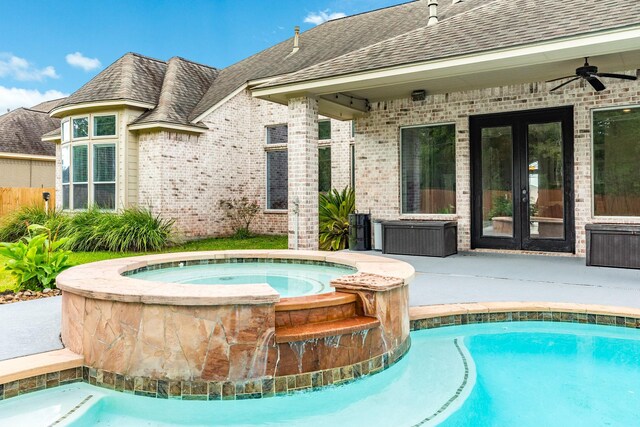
pixel 13 198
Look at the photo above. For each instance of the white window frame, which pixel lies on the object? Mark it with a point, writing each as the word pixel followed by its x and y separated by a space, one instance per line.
pixel 409 215
pixel 80 138
pixel 605 218
pixel 92 125
pixel 67 123
pixel 90 142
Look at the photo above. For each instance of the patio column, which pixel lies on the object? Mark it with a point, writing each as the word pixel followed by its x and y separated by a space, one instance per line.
pixel 303 173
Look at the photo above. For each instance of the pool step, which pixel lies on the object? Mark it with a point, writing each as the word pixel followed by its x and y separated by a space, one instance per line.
pixel 291 312
pixel 331 328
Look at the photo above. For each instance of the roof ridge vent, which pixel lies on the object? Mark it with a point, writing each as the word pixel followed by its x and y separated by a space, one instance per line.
pixel 433 12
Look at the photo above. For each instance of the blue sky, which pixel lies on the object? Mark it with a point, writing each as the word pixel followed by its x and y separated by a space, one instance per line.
pixel 52 48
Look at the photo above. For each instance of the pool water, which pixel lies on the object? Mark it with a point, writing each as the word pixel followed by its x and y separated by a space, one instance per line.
pixel 288 279
pixel 523 373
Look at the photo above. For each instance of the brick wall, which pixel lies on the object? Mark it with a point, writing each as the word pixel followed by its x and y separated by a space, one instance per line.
pixel 377 144
pixel 185 176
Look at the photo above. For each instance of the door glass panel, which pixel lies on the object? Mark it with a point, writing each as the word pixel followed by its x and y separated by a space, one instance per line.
pixel 546 193
pixel 497 172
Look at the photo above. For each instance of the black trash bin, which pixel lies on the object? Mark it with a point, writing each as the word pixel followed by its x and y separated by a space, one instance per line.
pixel 359 232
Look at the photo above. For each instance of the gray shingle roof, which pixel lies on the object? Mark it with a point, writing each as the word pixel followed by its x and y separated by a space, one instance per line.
pixel 184 84
pixel 329 40
pixel 21 132
pixel 133 77
pixel 47 106
pixel 493 25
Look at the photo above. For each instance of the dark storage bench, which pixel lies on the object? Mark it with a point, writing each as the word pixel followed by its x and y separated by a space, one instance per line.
pixel 613 245
pixel 426 238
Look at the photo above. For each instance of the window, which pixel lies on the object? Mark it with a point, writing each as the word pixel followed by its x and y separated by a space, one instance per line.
pixel 353 128
pixel 353 167
pixel 80 168
pixel 89 166
pixel 616 156
pixel 324 129
pixel 81 128
pixel 277 134
pixel 277 179
pixel 104 176
pixel 65 131
pixel 277 167
pixel 66 165
pixel 428 169
pixel 104 125
pixel 324 169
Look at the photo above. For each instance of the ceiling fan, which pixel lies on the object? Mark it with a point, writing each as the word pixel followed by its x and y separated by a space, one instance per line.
pixel 590 74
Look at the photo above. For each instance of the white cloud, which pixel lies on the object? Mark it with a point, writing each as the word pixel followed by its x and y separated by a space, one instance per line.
pixel 13 97
pixel 78 60
pixel 318 18
pixel 21 69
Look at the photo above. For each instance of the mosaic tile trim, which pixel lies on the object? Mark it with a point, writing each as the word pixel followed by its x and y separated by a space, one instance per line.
pixel 458 391
pixel 208 390
pixel 250 389
pixel 525 316
pixel 74 409
pixel 175 264
pixel 40 382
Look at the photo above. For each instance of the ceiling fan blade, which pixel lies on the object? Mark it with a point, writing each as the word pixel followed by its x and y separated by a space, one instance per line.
pixel 560 78
pixel 565 83
pixel 595 83
pixel 617 76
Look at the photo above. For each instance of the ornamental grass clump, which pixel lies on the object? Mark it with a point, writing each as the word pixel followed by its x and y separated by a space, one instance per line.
pixel 334 209
pixel 135 230
pixel 36 260
pixel 131 230
pixel 14 225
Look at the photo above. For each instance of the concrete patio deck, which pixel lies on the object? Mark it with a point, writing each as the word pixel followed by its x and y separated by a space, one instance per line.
pixel 34 326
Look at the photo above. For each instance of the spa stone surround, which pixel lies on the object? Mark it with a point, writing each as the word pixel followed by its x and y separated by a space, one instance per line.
pixel 235 335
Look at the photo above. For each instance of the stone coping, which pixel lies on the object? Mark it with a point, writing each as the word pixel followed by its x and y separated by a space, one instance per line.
pixel 38 364
pixel 441 310
pixel 104 280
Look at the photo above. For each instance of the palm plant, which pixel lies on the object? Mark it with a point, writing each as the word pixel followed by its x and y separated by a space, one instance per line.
pixel 334 208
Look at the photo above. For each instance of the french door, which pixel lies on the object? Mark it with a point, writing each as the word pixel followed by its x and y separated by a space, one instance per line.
pixel 522 180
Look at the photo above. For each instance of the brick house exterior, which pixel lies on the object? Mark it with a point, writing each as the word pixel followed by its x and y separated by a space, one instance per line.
pixel 186 135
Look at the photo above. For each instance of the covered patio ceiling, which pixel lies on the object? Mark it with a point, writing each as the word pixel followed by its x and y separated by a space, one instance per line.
pixel 343 96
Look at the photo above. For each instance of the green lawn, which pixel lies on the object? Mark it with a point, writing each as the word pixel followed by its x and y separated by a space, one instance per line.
pixel 257 242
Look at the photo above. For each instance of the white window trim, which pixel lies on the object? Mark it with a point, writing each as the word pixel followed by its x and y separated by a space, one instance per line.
pixel 68 123
pixel 81 138
pixel 92 126
pixel 606 218
pixel 90 142
pixel 414 215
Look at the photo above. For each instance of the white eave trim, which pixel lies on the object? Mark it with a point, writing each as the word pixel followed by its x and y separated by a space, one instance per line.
pixel 19 156
pixel 612 41
pixel 219 103
pixel 170 126
pixel 58 111
pixel 52 138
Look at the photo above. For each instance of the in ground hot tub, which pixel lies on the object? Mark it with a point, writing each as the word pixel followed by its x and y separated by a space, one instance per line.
pixel 242 340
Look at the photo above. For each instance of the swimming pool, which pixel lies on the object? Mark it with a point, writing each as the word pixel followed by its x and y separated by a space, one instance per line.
pixel 288 279
pixel 521 373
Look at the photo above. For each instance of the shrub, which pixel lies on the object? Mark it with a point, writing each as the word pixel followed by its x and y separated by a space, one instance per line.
pixel 37 259
pixel 334 209
pixel 14 226
pixel 240 212
pixel 135 229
